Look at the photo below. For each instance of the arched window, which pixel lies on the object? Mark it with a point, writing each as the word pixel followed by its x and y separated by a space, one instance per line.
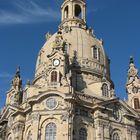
pixel 78 11
pixel 115 136
pixel 99 54
pixel 29 137
pixel 136 103
pixel 66 12
pixel 54 76
pixel 105 90
pixel 50 132
pixel 96 53
pixel 82 134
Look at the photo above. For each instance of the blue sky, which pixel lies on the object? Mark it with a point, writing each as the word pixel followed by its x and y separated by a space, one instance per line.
pixel 24 23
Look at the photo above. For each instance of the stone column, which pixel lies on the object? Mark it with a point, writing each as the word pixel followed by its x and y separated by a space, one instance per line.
pixel 70 10
pixel 62 14
pixel 73 10
pixel 84 13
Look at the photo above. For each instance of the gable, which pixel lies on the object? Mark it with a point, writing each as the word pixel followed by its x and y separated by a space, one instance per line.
pixel 117 104
pixel 8 111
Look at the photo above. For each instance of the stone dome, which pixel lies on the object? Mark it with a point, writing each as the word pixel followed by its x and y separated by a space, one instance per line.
pixel 81 41
pixel 74 58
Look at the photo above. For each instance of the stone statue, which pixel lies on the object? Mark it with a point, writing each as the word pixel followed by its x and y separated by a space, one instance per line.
pixel 48 36
pixel 17 82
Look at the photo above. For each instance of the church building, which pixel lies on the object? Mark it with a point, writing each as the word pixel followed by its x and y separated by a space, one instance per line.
pixel 72 95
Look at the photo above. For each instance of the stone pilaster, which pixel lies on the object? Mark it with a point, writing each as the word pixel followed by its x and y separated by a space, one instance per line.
pixel 35 126
pixel 106 131
pixel 99 130
pixel 134 134
pixel 131 134
pixel 18 131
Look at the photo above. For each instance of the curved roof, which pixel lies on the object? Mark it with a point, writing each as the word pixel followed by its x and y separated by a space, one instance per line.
pixel 81 41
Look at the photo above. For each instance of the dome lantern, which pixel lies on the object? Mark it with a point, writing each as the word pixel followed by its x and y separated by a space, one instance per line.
pixel 73 12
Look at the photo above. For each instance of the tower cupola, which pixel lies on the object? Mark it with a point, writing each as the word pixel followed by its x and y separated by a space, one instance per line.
pixel 14 95
pixel 73 13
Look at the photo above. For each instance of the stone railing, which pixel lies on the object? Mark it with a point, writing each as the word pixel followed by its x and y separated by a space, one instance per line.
pixel 85 97
pixel 91 65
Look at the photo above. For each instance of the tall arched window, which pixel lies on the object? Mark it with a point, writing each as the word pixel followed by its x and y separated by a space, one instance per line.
pixel 96 53
pixel 29 137
pixel 54 76
pixel 115 136
pixel 78 11
pixel 82 134
pixel 105 90
pixel 50 131
pixel 66 12
pixel 136 103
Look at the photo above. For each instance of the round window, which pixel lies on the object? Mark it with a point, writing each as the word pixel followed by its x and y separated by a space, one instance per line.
pixel 51 103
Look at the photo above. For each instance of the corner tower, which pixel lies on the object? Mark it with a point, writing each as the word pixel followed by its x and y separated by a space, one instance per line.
pixel 14 95
pixel 133 86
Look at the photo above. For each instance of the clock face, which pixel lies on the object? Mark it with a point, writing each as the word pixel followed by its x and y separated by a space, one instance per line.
pixel 56 62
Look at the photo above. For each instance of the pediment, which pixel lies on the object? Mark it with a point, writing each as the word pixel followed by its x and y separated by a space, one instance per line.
pixel 45 94
pixel 8 111
pixel 116 103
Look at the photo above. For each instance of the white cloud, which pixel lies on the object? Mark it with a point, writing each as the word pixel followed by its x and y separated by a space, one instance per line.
pixel 5 75
pixel 30 12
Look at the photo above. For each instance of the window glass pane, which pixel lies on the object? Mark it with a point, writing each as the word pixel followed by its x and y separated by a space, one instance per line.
pixel 78 11
pixel 83 113
pixel 105 90
pixel 82 134
pixel 66 12
pixel 54 76
pixel 136 103
pixel 116 136
pixel 51 131
pixel 51 103
pixel 95 53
